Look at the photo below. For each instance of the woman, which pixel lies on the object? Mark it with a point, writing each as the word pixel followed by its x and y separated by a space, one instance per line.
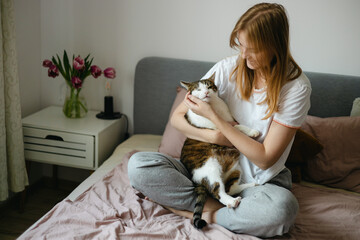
pixel 265 90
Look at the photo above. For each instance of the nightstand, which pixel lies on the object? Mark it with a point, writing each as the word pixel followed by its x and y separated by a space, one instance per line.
pixel 50 137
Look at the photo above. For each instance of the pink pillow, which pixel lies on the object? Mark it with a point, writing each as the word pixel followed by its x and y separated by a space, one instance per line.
pixel 338 164
pixel 173 140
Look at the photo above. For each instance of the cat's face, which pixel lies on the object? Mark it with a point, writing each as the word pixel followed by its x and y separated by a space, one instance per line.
pixel 202 89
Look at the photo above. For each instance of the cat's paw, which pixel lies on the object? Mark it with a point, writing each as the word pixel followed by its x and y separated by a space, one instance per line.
pixel 234 203
pixel 248 131
pixel 254 133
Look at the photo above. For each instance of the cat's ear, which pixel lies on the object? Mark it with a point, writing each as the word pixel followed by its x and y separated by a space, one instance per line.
pixel 212 78
pixel 185 84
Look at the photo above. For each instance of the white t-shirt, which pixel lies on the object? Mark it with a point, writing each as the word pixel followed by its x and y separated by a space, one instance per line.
pixel 294 103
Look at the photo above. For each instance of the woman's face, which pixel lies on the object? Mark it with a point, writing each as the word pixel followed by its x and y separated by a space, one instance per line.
pixel 254 57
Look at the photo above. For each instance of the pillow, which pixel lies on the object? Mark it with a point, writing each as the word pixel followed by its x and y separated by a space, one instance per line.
pixel 355 111
pixel 304 147
pixel 173 140
pixel 338 164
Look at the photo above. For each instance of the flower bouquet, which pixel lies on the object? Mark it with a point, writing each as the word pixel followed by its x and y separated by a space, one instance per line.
pixel 75 75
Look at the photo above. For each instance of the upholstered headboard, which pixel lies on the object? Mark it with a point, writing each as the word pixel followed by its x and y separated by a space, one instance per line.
pixel 156 79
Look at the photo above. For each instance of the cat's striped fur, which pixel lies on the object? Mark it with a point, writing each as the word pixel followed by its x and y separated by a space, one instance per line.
pixel 215 169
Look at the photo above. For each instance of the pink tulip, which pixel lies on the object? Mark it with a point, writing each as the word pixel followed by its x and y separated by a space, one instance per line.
pixel 76 82
pixel 79 63
pixel 110 72
pixel 95 71
pixel 53 71
pixel 47 63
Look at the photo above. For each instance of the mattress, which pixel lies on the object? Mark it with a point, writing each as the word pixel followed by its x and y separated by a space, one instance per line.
pixel 105 206
pixel 139 142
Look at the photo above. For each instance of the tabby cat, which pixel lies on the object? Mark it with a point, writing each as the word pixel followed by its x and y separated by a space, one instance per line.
pixel 215 169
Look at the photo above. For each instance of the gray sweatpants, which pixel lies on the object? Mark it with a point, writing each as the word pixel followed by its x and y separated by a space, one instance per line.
pixel 265 211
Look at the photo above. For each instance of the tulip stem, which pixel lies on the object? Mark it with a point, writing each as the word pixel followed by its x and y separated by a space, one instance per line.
pixel 74 107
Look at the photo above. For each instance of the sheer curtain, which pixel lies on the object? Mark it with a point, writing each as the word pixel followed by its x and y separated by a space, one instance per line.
pixel 13 175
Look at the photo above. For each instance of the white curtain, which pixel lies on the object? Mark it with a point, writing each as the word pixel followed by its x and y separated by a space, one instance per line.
pixel 13 175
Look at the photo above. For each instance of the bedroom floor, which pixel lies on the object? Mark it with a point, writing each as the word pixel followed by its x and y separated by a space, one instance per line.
pixel 40 199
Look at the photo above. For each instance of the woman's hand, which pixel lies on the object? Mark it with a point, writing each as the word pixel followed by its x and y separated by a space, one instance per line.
pixel 219 139
pixel 198 106
pixel 204 109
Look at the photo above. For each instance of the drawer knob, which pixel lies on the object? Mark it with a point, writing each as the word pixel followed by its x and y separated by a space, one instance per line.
pixel 54 137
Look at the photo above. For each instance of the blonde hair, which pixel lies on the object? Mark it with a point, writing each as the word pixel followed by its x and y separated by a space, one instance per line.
pixel 266 28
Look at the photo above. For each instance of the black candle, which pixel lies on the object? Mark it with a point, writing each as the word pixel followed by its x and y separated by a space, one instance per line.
pixel 108 105
pixel 108 110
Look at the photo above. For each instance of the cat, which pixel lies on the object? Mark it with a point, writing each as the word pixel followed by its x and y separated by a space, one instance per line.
pixel 215 169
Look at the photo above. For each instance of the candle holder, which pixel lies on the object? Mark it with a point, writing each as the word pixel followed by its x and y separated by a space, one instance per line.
pixel 108 105
pixel 108 110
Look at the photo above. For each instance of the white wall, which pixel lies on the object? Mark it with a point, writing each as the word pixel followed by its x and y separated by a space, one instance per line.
pixel 325 37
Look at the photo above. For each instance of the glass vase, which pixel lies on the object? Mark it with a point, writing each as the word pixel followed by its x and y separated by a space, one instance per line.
pixel 75 104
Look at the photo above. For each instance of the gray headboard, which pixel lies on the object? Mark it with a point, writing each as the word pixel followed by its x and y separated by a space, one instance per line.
pixel 156 79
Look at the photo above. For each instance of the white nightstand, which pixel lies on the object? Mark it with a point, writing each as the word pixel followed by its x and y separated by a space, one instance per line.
pixel 50 137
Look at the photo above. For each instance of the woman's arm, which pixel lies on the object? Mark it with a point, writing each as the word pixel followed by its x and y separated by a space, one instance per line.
pixel 265 154
pixel 178 121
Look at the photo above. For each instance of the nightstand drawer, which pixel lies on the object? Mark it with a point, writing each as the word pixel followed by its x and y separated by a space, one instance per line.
pixel 60 148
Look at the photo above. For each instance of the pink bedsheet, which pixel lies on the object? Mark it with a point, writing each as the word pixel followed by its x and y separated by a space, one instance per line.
pixel 112 209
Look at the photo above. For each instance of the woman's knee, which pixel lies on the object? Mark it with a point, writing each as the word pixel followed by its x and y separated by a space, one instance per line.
pixel 265 211
pixel 284 208
pixel 137 168
pixel 289 207
pixel 161 178
pixel 145 167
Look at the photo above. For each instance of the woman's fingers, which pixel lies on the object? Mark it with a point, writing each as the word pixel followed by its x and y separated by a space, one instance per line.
pixel 233 123
pixel 198 106
pixel 190 101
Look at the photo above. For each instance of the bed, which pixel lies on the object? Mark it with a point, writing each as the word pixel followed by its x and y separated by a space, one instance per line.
pixel 327 183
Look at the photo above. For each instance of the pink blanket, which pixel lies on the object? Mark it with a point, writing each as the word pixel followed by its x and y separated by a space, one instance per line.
pixel 112 209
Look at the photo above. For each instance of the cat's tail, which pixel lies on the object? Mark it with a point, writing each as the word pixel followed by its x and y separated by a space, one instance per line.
pixel 201 192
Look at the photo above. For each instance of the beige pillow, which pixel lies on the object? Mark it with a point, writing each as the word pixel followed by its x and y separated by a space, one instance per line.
pixel 355 111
